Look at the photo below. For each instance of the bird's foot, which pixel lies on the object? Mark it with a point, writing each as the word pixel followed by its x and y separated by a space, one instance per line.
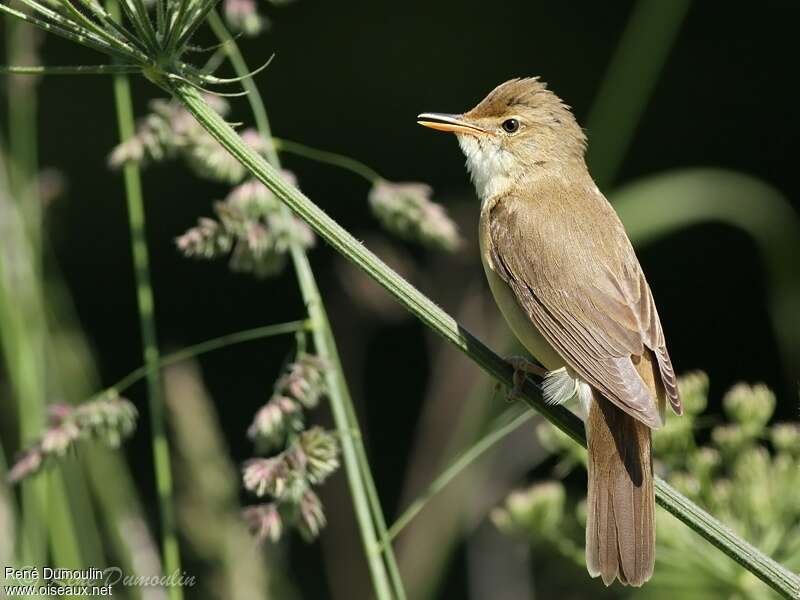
pixel 522 368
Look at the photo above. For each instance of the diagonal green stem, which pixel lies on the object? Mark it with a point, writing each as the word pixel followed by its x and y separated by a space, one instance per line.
pixel 766 569
pixel 330 158
pixel 147 322
pixel 246 335
pixel 372 524
pixel 504 427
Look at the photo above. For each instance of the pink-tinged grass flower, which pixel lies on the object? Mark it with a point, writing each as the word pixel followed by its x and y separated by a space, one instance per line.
pixel 264 521
pixel 300 386
pixel 406 210
pixel 267 476
pixel 110 419
pixel 242 16
pixel 311 517
pixel 250 229
pixel 169 131
pixel 275 419
pixel 307 457
pixel 304 380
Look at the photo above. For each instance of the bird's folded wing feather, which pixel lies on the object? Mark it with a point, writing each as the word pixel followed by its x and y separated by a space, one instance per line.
pixel 597 310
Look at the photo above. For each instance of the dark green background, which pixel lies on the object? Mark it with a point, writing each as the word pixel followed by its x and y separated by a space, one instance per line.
pixel 351 77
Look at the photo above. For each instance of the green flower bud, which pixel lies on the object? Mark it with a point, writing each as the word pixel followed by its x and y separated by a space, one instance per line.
pixel 693 389
pixel 703 463
pixel 753 464
pixel 538 510
pixel 686 483
pixel 730 439
pixel 786 438
pixel 721 492
pixel 750 406
pixel 672 441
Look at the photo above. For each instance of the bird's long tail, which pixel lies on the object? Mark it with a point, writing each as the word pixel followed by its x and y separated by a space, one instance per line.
pixel 620 525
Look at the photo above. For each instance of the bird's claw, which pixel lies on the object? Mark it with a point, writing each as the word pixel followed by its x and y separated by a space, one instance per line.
pixel 522 368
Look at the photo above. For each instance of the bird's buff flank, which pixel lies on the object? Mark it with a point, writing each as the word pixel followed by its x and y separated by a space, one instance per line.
pixel 566 278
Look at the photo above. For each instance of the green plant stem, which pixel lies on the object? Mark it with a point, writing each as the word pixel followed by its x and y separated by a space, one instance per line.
pixel 330 158
pixel 239 337
pixel 70 70
pixel 629 81
pixel 434 317
pixel 23 341
pixel 369 515
pixel 147 322
pixel 504 427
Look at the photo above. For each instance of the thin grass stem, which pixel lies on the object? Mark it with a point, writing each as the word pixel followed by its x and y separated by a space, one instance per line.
pixel 505 424
pixel 142 17
pixel 70 34
pixel 194 23
pixel 71 70
pixel 231 339
pixel 330 158
pixel 79 23
pixel 147 322
pixel 84 21
pixel 176 26
pixel 139 28
pixel 123 31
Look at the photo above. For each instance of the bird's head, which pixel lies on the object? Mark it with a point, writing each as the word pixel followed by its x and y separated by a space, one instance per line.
pixel 519 127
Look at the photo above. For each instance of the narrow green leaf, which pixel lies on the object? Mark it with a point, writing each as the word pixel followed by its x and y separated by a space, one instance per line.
pixel 71 70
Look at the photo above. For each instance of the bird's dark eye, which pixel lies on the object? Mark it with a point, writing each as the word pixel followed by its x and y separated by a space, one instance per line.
pixel 510 125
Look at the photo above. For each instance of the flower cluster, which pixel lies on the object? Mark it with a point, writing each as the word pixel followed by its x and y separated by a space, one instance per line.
pixel 250 228
pixel 301 386
pixel 539 507
pixel 307 457
pixel 169 131
pixel 243 17
pixel 109 419
pixel 749 485
pixel 406 210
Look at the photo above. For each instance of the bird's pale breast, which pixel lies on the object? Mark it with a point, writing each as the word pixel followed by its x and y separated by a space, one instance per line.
pixel 519 322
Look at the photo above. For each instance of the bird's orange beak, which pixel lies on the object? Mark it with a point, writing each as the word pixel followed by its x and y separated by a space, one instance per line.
pixel 451 123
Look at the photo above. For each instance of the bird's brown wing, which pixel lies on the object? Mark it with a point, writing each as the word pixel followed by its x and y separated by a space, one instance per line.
pixel 584 291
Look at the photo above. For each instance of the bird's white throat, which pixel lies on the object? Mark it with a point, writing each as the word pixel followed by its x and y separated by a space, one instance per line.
pixel 490 166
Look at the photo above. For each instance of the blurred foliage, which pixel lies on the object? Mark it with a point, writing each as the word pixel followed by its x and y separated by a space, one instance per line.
pixel 406 210
pixel 747 475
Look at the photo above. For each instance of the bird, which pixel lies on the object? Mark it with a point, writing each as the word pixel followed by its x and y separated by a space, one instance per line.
pixel 565 277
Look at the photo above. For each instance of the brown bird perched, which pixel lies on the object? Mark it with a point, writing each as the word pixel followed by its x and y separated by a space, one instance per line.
pixel 565 276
